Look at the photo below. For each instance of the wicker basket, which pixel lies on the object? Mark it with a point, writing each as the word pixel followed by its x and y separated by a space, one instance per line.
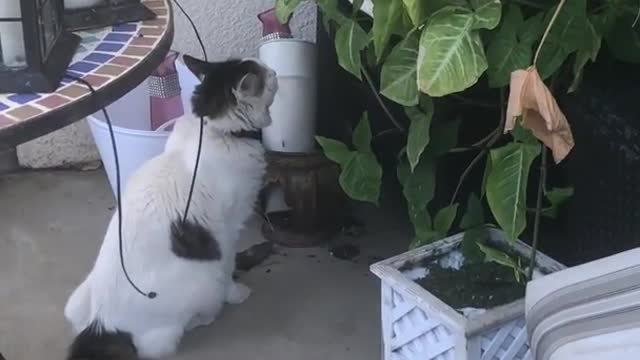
pixel 418 326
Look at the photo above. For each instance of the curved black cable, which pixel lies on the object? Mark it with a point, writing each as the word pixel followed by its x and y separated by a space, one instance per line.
pixel 195 169
pixel 151 294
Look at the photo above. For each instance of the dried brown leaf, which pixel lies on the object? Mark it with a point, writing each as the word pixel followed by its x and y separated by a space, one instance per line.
pixel 530 98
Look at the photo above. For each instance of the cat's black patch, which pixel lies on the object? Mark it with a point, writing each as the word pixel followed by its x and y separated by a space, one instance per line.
pixel 190 240
pixel 95 343
pixel 214 96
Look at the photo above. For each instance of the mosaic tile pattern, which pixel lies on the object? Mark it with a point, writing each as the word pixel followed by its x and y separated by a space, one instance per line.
pixel 103 56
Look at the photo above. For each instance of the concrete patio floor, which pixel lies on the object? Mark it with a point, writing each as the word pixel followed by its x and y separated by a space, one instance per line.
pixel 305 303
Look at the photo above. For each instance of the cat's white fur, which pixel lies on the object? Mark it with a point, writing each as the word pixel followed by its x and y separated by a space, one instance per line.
pixel 189 293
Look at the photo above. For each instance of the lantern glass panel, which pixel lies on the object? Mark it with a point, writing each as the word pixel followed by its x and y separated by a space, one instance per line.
pixel 12 44
pixel 50 27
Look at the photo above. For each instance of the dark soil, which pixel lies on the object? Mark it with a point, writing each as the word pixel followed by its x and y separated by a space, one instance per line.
pixel 482 286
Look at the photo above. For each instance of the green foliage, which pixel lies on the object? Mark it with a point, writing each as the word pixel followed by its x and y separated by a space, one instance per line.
pixel 510 48
pixel 507 185
pixel 451 55
pixel 566 36
pixel 387 17
pixel 361 174
pixel 398 76
pixel 502 258
pixel 350 41
pixel 419 131
pixel 425 49
pixel 284 9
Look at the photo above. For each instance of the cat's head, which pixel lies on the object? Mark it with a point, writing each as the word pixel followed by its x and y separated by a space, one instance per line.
pixel 233 95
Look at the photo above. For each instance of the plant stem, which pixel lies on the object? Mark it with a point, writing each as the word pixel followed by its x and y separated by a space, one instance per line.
pixel 477 145
pixel 494 138
pixel 386 132
pixel 380 101
pixel 547 30
pixel 536 221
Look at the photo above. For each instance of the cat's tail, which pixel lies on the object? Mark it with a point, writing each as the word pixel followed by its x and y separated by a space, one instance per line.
pixel 97 343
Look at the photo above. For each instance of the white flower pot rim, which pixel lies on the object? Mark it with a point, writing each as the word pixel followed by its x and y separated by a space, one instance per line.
pixel 475 324
pixel 290 40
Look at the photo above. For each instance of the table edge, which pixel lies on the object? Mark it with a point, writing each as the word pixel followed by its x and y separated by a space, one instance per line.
pixel 38 126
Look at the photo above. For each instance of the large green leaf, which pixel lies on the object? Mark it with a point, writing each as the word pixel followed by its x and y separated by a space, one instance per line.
pixel 432 6
pixel 444 219
pixel 403 171
pixel 417 10
pixel 387 16
pixel 507 184
pixel 334 150
pixel 419 130
pixel 284 9
pixel 361 177
pixel 350 40
pixel 487 13
pixel 565 37
pixel 398 79
pixel 421 221
pixel 451 54
pixel 505 53
pixel 419 186
pixel 531 30
pixel 362 135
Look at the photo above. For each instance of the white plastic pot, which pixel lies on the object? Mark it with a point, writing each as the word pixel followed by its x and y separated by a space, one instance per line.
pixel 294 109
pixel 131 120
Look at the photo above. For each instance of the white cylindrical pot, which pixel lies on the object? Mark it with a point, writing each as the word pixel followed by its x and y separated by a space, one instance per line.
pixel 293 112
pixel 131 119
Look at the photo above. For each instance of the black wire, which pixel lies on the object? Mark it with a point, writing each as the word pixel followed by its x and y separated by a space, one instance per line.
pixel 193 26
pixel 195 169
pixel 152 294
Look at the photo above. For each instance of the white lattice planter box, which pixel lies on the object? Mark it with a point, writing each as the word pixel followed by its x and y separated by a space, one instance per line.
pixel 418 326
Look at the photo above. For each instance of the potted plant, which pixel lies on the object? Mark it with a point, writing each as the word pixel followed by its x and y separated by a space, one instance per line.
pixel 460 297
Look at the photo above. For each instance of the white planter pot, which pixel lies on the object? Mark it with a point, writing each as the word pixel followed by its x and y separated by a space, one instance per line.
pixel 416 325
pixel 293 112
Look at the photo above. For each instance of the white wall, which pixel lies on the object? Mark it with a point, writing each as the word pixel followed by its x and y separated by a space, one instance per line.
pixel 229 28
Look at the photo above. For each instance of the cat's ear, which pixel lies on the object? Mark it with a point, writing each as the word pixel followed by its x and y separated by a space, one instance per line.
pixel 198 67
pixel 251 85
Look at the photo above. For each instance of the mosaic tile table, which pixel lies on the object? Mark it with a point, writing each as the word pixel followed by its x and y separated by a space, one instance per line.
pixel 113 60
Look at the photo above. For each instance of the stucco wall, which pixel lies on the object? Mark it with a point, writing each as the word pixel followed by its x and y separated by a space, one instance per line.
pixel 229 28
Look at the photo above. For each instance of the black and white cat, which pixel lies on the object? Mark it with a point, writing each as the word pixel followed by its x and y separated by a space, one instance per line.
pixel 189 265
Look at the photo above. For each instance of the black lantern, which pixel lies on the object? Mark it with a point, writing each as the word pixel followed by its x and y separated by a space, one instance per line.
pixel 34 48
pixel 92 14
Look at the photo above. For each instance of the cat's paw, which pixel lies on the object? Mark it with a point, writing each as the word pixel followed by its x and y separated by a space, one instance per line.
pixel 238 293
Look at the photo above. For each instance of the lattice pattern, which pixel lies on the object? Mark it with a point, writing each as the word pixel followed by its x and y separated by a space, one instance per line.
pixel 410 333
pixel 506 343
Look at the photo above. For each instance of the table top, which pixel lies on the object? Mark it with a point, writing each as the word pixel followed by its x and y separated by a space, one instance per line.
pixel 113 60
